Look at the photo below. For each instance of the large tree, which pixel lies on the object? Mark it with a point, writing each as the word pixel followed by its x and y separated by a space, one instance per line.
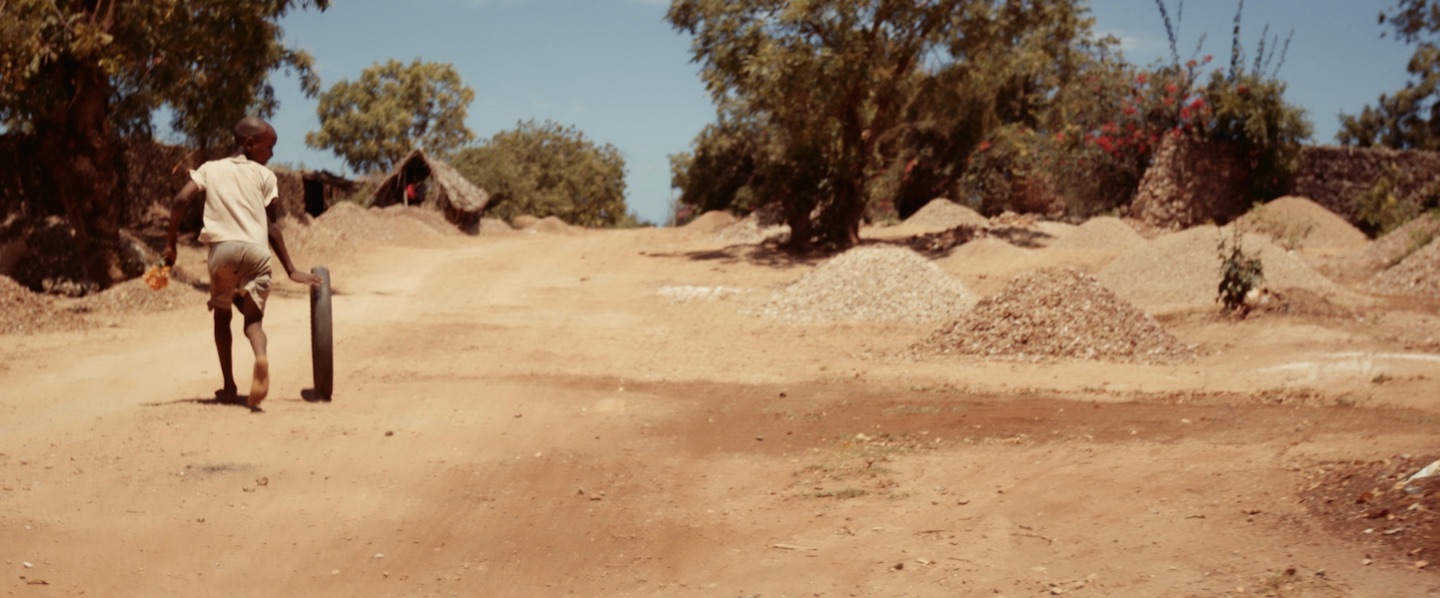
pixel 393 108
pixel 77 74
pixel 546 169
pixel 1409 118
pixel 837 83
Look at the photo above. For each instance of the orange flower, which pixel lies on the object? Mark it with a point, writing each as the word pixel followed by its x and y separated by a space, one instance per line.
pixel 158 276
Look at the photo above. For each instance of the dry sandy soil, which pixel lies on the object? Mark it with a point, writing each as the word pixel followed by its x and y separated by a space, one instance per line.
pixel 611 413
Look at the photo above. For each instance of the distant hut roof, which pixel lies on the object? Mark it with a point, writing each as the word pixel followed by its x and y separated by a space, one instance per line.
pixel 462 202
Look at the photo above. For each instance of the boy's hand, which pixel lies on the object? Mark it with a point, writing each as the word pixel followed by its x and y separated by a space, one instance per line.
pixel 305 278
pixel 169 255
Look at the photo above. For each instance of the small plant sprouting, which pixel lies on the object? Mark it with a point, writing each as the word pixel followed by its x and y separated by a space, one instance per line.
pixel 1240 273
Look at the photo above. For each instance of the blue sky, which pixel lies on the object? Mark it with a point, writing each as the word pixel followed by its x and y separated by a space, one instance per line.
pixel 615 70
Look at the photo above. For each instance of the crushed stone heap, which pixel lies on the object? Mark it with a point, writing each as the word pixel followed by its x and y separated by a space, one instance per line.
pixel 874 284
pixel 943 214
pixel 1058 313
pixel 1418 275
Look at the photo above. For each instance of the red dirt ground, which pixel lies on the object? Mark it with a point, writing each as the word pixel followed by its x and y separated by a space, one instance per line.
pixel 528 415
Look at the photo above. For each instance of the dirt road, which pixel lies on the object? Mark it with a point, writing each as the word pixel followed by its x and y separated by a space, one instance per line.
pixel 595 414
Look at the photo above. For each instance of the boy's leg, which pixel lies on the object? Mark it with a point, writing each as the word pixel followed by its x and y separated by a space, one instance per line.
pixel 223 342
pixel 255 331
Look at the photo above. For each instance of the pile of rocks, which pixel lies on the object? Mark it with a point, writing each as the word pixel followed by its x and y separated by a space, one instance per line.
pixel 760 226
pixel 872 284
pixel 1058 313
pixel 1418 275
pixel 1181 271
pixel 26 312
pixel 943 214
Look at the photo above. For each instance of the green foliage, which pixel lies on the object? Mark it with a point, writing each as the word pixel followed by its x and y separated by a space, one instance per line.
pixel 1405 119
pixel 723 169
pixel 548 170
pixel 1240 272
pixel 1013 106
pixel 374 122
pixel 1384 207
pixel 208 59
pixel 1250 114
pixel 854 97
pixel 77 75
pixel 1244 109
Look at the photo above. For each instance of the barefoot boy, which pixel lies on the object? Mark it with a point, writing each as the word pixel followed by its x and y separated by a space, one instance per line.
pixel 240 226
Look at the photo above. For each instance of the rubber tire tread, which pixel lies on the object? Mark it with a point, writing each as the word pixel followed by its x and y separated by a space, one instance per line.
pixel 322 337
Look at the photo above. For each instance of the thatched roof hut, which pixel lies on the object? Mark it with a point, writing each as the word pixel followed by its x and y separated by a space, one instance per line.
pixel 462 202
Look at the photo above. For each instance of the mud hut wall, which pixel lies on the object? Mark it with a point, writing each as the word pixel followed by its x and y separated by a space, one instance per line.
pixel 25 188
pixel 292 194
pixel 154 173
pixel 1340 177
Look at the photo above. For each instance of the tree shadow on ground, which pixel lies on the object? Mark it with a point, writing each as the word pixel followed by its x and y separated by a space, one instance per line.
pixel 932 245
pixel 768 253
pixel 942 244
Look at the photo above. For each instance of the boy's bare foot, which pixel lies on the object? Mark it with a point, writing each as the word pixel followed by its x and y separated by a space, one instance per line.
pixel 260 384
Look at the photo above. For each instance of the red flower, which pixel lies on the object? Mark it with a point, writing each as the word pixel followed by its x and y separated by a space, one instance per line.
pixel 984 145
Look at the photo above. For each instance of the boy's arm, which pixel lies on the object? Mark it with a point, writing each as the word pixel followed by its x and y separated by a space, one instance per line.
pixel 277 243
pixel 178 208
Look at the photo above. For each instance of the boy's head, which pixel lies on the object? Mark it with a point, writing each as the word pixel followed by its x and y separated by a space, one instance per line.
pixel 256 139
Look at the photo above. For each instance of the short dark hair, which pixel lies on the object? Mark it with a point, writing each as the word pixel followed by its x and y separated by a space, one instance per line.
pixel 249 127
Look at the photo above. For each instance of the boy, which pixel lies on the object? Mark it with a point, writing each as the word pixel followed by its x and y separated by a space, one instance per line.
pixel 241 225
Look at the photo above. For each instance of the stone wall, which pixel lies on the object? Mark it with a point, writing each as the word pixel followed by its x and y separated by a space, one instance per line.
pixel 1339 177
pixel 1190 183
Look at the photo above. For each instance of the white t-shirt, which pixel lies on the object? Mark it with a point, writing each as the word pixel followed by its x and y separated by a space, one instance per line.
pixel 236 194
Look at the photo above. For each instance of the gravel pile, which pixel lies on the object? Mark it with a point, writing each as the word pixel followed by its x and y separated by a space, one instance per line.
pixel 552 225
pixel 943 214
pixel 874 284
pixel 1105 233
pixel 687 293
pixel 1298 223
pixel 713 221
pixel 495 225
pixel 135 297
pixel 1181 272
pixel 1058 313
pixel 760 226
pixel 1398 244
pixel 25 312
pixel 346 226
pixel 1418 275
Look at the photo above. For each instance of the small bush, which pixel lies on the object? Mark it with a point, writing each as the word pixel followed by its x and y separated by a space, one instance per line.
pixel 1240 272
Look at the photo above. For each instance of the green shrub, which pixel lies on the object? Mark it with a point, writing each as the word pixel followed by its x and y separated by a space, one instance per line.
pixel 1240 272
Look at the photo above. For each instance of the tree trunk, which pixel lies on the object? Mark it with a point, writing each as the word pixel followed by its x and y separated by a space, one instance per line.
pixel 840 224
pixel 80 152
pixel 797 215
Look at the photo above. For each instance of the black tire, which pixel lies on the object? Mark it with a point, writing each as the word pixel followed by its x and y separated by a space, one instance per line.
pixel 321 336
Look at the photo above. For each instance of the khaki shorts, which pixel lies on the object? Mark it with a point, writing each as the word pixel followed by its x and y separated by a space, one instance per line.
pixel 239 270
